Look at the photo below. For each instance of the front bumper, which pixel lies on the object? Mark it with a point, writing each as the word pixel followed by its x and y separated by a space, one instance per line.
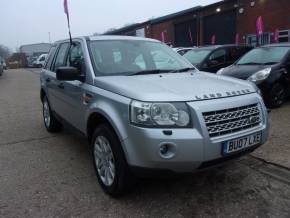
pixel 193 147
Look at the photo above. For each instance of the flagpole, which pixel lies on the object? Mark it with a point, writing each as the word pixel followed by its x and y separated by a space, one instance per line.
pixel 69 32
pixel 65 4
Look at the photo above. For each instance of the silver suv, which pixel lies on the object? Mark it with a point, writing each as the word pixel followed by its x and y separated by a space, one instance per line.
pixel 145 109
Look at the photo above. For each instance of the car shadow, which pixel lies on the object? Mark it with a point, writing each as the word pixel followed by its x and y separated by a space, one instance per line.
pixel 206 193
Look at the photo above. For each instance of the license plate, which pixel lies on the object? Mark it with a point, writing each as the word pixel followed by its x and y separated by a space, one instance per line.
pixel 242 143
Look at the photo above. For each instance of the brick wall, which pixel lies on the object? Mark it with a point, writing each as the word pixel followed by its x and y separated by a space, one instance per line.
pixel 275 14
pixel 167 28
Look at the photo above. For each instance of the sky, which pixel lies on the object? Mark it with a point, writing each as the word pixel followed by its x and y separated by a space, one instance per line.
pixel 31 21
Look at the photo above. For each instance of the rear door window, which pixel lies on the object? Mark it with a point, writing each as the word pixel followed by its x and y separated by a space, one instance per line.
pixel 50 57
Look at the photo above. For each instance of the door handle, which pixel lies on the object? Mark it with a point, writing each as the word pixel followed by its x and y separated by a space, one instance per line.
pixel 47 80
pixel 61 86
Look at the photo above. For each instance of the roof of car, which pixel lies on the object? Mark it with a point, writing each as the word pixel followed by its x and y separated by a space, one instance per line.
pixel 286 44
pixel 224 46
pixel 116 37
pixel 111 37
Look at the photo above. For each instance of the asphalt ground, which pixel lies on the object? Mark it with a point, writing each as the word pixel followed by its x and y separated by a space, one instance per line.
pixel 51 175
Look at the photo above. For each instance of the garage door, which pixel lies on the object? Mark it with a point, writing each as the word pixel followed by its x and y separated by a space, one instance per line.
pixel 222 25
pixel 185 33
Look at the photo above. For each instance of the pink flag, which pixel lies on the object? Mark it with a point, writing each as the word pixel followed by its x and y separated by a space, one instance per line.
pixel 162 36
pixel 65 5
pixel 213 39
pixel 237 38
pixel 259 26
pixel 190 35
pixel 276 36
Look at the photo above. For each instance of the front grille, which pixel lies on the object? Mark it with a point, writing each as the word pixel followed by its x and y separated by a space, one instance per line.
pixel 232 120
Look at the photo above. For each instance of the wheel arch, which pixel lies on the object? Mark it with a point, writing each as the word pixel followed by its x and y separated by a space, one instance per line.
pixel 42 94
pixel 98 117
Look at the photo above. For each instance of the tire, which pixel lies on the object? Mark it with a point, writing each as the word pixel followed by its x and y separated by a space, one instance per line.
pixel 110 163
pixel 277 95
pixel 51 123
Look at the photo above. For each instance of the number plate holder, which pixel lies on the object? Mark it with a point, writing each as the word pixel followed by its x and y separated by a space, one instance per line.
pixel 240 144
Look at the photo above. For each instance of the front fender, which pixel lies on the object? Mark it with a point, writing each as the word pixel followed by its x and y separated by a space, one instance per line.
pixel 116 112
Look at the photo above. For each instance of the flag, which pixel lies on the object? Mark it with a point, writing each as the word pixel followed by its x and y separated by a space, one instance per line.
pixel 162 36
pixel 65 5
pixel 259 26
pixel 190 35
pixel 237 38
pixel 213 38
pixel 276 36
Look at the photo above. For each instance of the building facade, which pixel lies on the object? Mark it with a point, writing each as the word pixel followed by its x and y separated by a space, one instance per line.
pixel 224 22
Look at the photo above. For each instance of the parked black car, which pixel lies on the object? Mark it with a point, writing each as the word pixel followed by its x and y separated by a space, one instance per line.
pixel 213 58
pixel 268 67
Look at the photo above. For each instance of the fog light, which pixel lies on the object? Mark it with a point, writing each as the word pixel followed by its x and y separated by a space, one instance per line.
pixel 163 149
pixel 167 150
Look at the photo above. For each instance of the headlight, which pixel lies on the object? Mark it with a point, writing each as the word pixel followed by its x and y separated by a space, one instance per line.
pixel 220 71
pixel 260 75
pixel 160 114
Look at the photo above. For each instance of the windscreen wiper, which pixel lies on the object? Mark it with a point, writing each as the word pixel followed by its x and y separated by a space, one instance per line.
pixel 144 72
pixel 251 63
pixel 183 70
pixel 270 63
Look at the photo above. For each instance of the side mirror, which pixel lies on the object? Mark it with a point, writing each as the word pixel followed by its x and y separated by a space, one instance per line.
pixel 69 74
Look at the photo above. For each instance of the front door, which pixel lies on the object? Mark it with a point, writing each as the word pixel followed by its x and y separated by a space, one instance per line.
pixel 53 85
pixel 72 94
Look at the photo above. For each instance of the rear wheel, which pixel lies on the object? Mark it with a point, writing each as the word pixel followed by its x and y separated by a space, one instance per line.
pixel 50 122
pixel 277 95
pixel 110 163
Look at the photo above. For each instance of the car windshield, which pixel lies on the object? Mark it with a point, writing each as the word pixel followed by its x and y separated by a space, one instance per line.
pixel 128 57
pixel 264 55
pixel 196 56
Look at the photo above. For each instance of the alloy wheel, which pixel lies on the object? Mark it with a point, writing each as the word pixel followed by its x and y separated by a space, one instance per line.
pixel 104 160
pixel 46 113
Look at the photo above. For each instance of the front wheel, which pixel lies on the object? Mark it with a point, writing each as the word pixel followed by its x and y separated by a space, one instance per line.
pixel 50 122
pixel 110 163
pixel 277 95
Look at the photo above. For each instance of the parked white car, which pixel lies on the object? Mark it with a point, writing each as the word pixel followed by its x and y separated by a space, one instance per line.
pixel 40 61
pixel 3 64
